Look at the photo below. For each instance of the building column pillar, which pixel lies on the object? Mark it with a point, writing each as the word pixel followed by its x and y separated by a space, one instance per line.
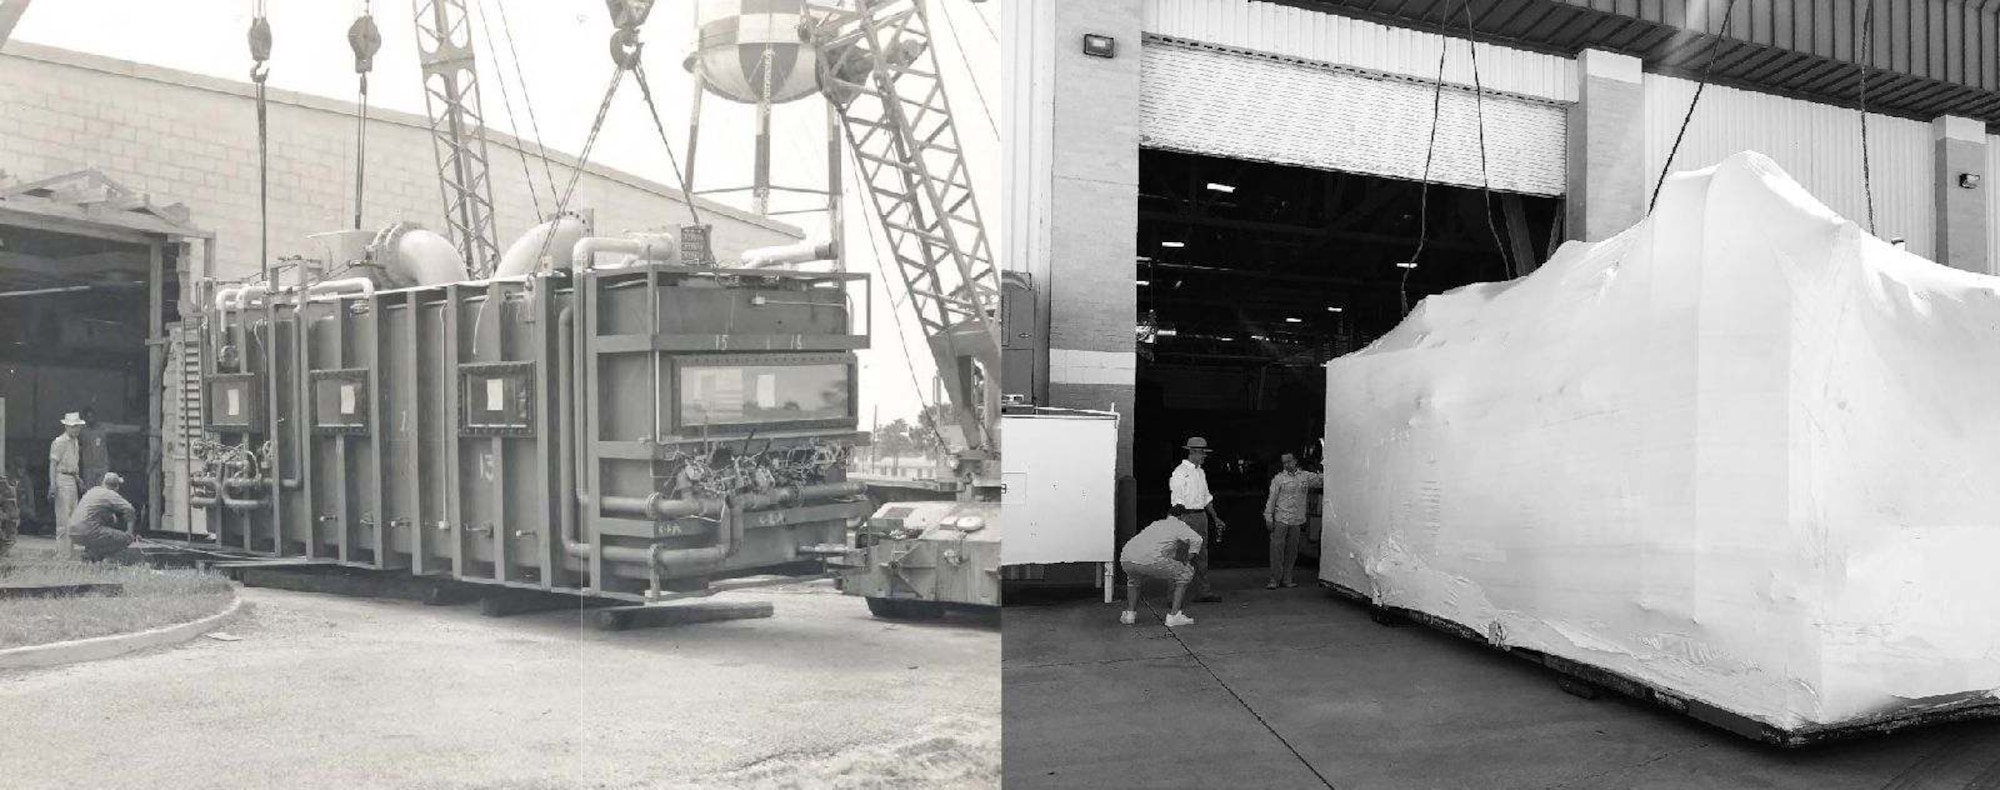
pixel 1091 200
pixel 1959 194
pixel 1607 157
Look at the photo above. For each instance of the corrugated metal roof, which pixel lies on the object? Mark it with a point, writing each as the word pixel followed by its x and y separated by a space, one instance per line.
pixel 1927 57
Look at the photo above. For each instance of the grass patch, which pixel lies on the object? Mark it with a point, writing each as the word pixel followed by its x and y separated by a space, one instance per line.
pixel 152 598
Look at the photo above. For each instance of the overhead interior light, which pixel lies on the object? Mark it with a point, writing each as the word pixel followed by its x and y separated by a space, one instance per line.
pixel 1407 265
pixel 1291 320
pixel 1223 188
pixel 1333 309
pixel 1173 245
pixel 1227 339
pixel 1168 332
pixel 1145 282
pixel 1259 337
pixel 1145 259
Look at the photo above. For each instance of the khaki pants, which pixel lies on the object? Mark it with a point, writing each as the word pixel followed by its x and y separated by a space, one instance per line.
pixel 1284 551
pixel 66 495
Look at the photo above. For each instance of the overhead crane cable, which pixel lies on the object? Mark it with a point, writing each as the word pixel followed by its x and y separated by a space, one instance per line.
pixel 680 176
pixel 507 104
pixel 971 74
pixel 1430 150
pixel 1867 54
pixel 1485 181
pixel 527 99
pixel 260 70
pixel 583 158
pixel 1721 38
pixel 365 40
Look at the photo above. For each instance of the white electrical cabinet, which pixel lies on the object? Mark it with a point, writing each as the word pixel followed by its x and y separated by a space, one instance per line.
pixel 1060 470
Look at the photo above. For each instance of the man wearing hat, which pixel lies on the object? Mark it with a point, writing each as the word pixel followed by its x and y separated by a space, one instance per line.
pixel 1193 504
pixel 65 468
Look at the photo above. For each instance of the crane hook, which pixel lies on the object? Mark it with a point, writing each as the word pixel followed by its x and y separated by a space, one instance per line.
pixel 365 40
pixel 260 49
pixel 625 46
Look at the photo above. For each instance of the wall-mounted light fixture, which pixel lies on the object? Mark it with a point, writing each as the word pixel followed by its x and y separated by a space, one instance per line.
pixel 1098 45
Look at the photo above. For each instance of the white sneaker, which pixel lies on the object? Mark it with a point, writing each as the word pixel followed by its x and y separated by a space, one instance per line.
pixel 1177 619
pixel 1127 617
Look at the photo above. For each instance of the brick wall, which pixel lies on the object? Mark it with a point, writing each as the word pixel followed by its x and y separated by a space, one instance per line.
pixel 188 138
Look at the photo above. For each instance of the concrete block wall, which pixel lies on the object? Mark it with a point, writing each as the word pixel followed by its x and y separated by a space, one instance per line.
pixel 188 138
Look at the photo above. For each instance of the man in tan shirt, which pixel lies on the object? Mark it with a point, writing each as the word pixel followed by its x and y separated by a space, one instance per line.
pixel 1285 515
pixel 65 470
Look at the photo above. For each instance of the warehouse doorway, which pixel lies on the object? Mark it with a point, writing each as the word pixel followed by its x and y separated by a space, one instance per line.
pixel 90 276
pixel 1252 275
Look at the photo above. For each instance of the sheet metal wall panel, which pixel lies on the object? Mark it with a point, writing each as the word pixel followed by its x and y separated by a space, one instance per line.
pixel 1947 40
pixel 1245 106
pixel 1819 144
pixel 1990 183
pixel 1296 32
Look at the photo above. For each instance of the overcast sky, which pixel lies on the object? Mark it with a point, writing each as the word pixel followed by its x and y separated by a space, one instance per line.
pixel 565 66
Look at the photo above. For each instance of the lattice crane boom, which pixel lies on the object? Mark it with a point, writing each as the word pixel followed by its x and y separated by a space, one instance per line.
pixel 458 130
pixel 878 69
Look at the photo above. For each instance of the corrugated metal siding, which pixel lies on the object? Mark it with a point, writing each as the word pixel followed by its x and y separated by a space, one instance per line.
pixel 1240 106
pixel 1820 145
pixel 1991 183
pixel 1027 113
pixel 1328 38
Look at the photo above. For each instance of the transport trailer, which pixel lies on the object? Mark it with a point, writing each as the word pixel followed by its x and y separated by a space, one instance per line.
pixel 633 433
pixel 918 560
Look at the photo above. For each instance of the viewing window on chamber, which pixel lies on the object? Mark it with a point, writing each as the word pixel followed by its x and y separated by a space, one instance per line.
pixel 712 395
pixel 340 401
pixel 498 398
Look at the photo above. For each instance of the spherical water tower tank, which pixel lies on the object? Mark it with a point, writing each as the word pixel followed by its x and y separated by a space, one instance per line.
pixel 735 38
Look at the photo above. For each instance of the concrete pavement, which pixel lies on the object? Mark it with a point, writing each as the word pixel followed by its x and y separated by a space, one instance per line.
pixel 1298 689
pixel 337 692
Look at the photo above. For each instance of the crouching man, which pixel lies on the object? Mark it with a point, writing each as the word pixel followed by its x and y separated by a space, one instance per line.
pixel 1162 550
pixel 105 524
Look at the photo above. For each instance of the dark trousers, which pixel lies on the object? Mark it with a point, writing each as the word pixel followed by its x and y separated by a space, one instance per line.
pixel 1198 520
pixel 106 544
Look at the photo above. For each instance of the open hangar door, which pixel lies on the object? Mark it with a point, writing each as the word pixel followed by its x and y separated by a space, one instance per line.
pixel 90 280
pixel 1252 275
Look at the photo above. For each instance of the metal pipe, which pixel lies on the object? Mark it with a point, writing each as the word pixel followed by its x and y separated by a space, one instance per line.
pixel 653 249
pixel 729 533
pixel 244 504
pixel 788 254
pixel 341 287
pixel 202 501
pixel 565 366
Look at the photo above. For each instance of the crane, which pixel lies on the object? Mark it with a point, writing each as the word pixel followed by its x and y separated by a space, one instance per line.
pixel 878 69
pixel 458 130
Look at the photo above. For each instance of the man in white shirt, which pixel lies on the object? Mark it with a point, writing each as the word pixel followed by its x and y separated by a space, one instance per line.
pixel 1156 553
pixel 1285 515
pixel 1193 504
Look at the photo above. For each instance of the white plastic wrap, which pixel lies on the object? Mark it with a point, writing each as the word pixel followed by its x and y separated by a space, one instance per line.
pixel 1743 451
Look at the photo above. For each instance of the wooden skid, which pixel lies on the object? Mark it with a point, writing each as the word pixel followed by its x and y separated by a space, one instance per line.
pixel 1585 680
pixel 619 618
pixel 356 583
